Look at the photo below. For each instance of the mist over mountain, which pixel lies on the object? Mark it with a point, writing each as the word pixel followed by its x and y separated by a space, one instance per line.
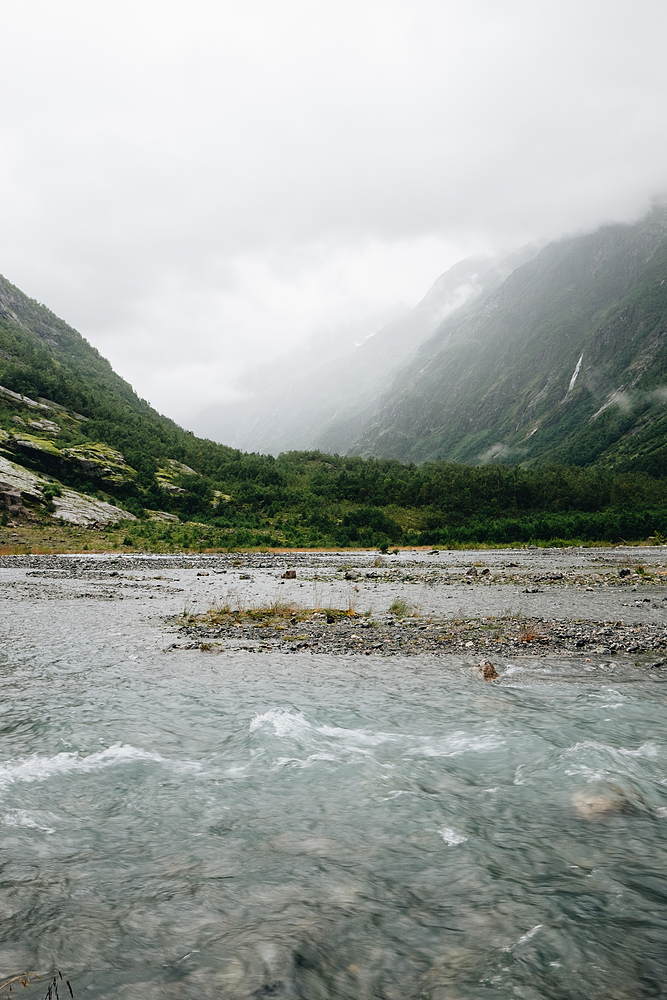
pixel 555 353
pixel 79 447
pixel 564 361
pixel 310 403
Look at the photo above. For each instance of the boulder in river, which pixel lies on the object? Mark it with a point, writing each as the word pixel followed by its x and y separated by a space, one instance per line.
pixel 598 803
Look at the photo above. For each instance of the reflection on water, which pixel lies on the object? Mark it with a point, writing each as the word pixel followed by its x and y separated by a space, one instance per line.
pixel 319 828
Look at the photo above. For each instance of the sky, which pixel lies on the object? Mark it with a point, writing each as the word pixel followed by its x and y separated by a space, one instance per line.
pixel 201 187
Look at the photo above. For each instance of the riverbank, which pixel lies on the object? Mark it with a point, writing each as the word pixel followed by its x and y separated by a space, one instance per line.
pixel 605 607
pixel 54 537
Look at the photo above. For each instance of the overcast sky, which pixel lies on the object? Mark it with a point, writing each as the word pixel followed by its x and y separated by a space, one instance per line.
pixel 198 186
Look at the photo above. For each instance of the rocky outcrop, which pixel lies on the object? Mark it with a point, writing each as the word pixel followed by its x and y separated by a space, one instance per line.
pixel 161 515
pixel 77 508
pixel 26 496
pixel 166 474
pixel 11 500
pixel 45 426
pixel 100 461
pixel 16 397
pixel 93 458
pixel 22 441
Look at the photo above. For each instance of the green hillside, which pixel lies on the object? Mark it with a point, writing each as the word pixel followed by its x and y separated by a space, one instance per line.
pixel 68 417
pixel 494 383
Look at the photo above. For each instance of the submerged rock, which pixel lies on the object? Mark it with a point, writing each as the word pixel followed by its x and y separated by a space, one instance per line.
pixel 593 804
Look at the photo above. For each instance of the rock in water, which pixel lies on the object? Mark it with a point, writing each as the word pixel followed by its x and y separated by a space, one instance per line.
pixel 594 804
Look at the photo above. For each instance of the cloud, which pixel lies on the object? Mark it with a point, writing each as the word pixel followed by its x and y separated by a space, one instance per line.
pixel 496 451
pixel 200 188
pixel 622 399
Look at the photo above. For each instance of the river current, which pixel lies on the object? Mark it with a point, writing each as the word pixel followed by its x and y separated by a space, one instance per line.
pixel 263 825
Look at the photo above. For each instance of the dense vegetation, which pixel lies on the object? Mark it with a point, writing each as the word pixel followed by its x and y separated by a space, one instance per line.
pixel 231 499
pixel 318 500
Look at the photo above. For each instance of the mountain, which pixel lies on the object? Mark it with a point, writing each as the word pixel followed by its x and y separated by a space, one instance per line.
pixel 79 447
pixel 41 356
pixel 565 361
pixel 301 406
pixel 67 418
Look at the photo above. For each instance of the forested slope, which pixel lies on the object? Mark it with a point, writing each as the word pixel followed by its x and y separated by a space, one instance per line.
pixel 499 381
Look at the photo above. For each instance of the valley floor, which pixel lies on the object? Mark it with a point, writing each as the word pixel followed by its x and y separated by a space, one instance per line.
pixel 601 609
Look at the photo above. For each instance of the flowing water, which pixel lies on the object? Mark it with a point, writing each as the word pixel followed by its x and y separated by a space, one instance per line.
pixel 191 825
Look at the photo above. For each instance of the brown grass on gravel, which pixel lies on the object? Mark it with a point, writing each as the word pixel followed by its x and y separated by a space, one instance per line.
pixel 274 614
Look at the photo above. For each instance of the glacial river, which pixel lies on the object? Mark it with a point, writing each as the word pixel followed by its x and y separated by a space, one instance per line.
pixel 264 825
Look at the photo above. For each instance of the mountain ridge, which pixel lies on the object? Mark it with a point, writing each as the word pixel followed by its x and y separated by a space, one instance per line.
pixel 309 408
pixel 505 363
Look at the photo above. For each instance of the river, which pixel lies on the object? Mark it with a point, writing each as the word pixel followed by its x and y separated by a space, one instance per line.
pixel 270 825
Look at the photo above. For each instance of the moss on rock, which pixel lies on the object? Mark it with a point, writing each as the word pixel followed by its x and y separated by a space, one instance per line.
pixel 100 461
pixel 23 442
pixel 167 473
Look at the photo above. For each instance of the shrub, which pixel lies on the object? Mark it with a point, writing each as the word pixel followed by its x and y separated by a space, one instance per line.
pixel 400 609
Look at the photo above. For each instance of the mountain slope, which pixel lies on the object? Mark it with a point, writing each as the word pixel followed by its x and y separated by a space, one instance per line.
pixel 40 355
pixel 77 445
pixel 66 415
pixel 498 380
pixel 304 406
pixel 381 359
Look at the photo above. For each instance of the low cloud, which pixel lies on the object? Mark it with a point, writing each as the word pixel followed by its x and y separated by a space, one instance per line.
pixel 495 452
pixel 199 189
pixel 627 400
pixel 620 398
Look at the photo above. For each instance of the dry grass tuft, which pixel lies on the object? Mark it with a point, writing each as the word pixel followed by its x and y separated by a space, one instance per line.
pixel 401 609
pixel 278 614
pixel 25 979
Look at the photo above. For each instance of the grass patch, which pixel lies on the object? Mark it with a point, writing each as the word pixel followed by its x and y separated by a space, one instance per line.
pixel 278 614
pixel 401 609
